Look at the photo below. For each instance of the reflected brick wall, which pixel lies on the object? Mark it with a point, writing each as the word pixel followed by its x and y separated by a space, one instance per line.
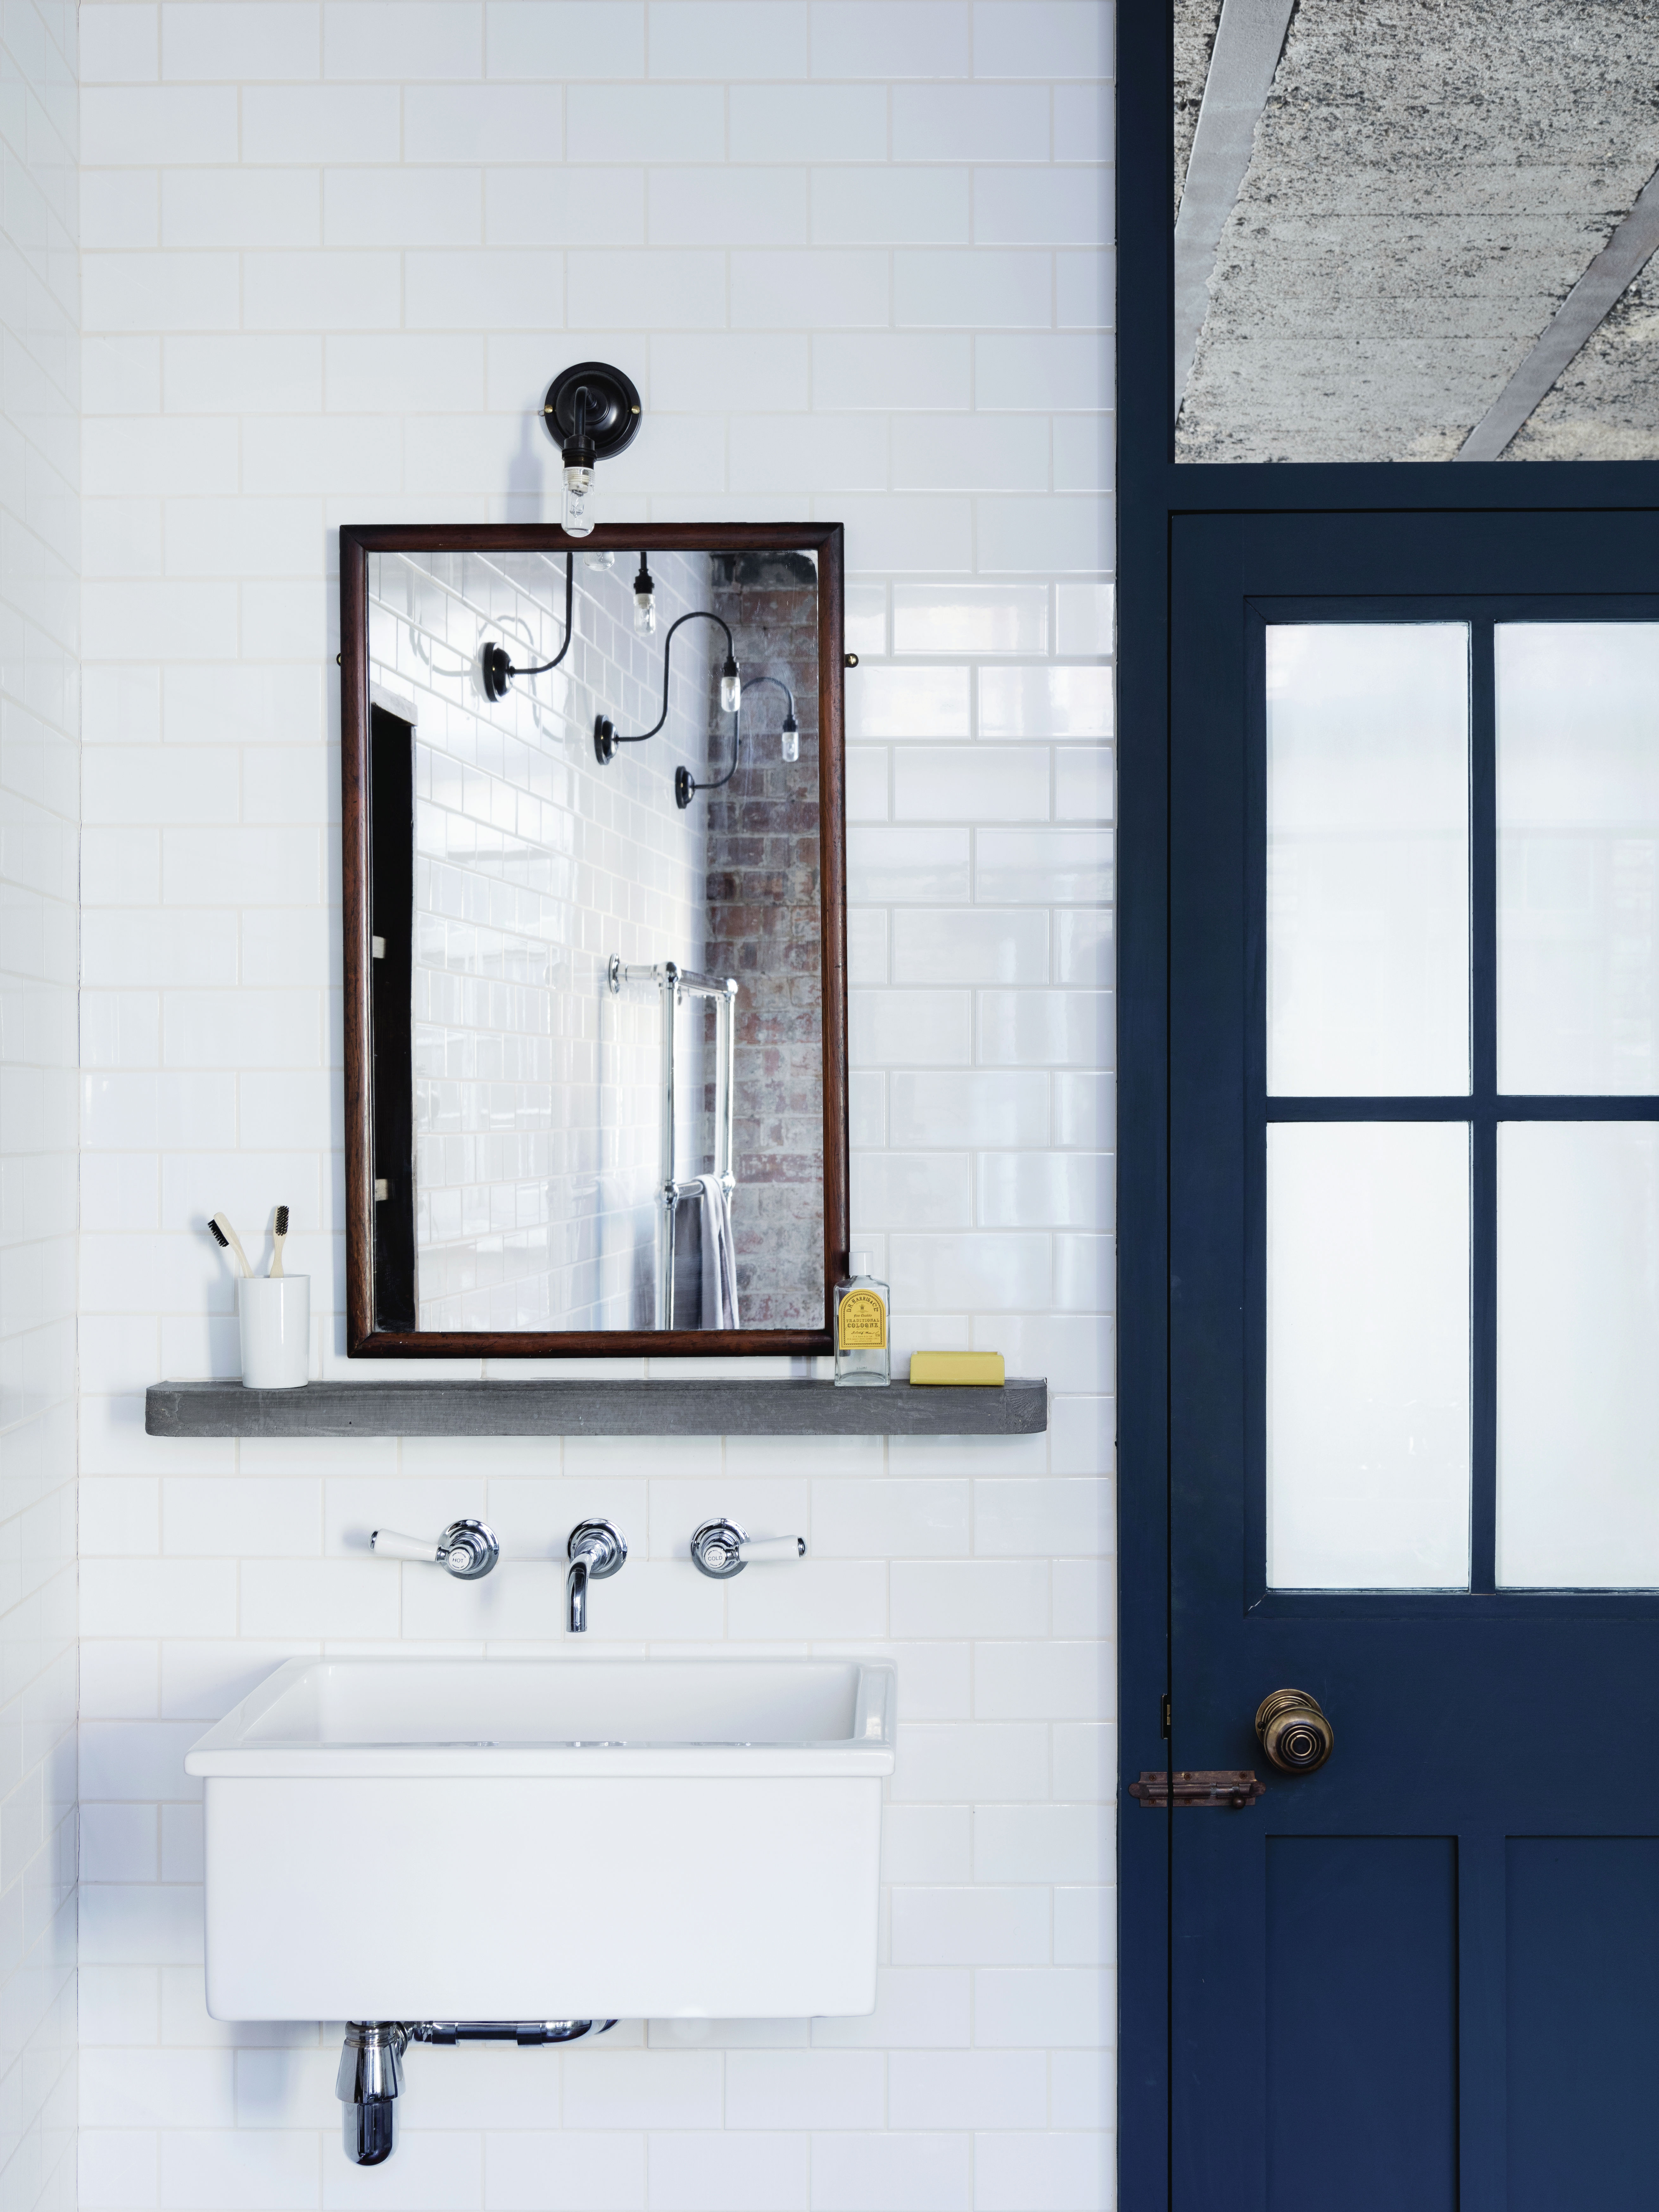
pixel 763 928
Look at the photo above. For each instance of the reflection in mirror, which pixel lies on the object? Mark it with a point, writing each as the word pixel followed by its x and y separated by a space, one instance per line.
pixel 597 999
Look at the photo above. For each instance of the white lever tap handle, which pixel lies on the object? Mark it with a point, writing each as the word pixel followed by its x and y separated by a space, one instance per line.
pixel 772 1547
pixel 392 1545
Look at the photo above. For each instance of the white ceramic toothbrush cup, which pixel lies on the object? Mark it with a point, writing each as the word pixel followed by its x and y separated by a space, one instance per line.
pixel 276 1317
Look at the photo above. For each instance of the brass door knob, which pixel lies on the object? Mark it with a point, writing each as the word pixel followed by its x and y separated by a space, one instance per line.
pixel 1294 1731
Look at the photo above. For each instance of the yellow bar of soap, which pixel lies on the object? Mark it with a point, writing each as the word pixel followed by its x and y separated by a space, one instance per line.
pixel 956 1367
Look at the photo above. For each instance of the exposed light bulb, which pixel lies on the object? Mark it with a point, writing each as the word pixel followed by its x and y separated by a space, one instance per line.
pixel 731 687
pixel 578 502
pixel 607 559
pixel 791 739
pixel 644 601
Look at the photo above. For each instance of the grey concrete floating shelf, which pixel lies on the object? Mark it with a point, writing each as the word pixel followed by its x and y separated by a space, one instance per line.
pixel 678 1407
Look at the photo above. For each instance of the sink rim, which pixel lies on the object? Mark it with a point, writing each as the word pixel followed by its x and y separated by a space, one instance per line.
pixel 225 1752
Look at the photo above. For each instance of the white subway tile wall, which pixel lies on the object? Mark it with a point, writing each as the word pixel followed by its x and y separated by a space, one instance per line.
pixel 856 254
pixel 40 811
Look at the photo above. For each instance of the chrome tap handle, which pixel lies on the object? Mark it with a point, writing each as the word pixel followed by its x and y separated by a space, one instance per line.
pixel 467 1548
pixel 721 1549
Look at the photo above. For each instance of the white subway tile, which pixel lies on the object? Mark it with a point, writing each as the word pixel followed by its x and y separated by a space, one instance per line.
pixel 1036 1517
pixel 160 1597
pixel 1085 453
pixel 924 1028
pixel 995 1271
pixel 525 2171
pixel 564 39
pixel 696 372
pixel 153 292
pixel 867 771
pixel 1057 1028
pixel 1048 535
pixel 118 1843
pixel 890 38
pixel 807 123
pixel 927 1844
pixel 244 2170
pixel 974 453
pixel 1040 1681
pixel 916 371
pixel 969 1598
pixel 1048 1189
pixel 117 2167
pixel 1027 2007
pixel 733 207
pixel 1085 1933
pixel 1041 1843
pixel 970 783
pixel 916 2006
pixel 476 123
pixel 321 1597
pixel 728 38
pixel 209 1517
pixel 1041 207
pixel 968 2089
pixel 973 618
pixel 121 210
pixel 890 2174
pixel 1086 1273
pixel 1045 702
pixel 435 38
pixel 405 206
pixel 818 1598
pixel 970 1109
pixel 1085 296
pixel 970 123
pixel 309 124
pixel 1085 1597
pixel 1051 2172
pixel 912 1190
pixel 1084 122
pixel 1082 2092
pixel 772 2090
pixel 682 289
pixel 236 40
pixel 890 1517
pixel 973 945
pixel 117 2004
pixel 646 123
pixel 119 1515
pixel 643 2088
pixel 969 1928
pixel 143 126
pixel 1063 39
pixel 156 2088
pixel 819 289
pixel 888 206
pixel 725 2172
pixel 120 45
pixel 319 292
pixel 908 532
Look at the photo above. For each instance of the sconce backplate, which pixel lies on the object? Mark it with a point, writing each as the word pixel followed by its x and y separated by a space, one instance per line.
pixel 616 423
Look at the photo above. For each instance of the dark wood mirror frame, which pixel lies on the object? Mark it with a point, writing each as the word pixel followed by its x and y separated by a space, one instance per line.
pixel 364 1339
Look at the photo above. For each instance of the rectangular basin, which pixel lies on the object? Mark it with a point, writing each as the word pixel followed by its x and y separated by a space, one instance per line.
pixel 558 1839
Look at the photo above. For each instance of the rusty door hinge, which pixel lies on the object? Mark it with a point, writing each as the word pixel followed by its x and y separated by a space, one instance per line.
pixel 1226 1785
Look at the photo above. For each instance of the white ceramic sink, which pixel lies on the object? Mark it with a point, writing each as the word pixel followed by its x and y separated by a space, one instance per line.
pixel 546 1839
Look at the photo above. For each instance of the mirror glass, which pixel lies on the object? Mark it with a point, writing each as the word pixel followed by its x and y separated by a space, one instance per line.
pixel 596 921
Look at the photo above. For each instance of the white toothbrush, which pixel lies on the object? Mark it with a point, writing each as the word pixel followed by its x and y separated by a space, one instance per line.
pixel 226 1237
pixel 277 1241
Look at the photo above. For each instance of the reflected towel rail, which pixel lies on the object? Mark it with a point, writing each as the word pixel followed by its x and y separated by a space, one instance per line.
pixel 675 983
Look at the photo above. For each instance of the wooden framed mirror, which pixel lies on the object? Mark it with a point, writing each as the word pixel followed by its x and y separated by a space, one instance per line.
pixel 594 939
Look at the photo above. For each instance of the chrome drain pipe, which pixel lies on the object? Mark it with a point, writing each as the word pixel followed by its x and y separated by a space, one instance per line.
pixel 371 2072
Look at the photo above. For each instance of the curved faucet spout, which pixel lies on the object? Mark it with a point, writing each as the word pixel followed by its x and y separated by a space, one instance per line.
pixel 595 1550
pixel 575 1595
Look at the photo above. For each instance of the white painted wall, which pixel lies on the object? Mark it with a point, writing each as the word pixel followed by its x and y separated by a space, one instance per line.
pixel 855 257
pixel 39 807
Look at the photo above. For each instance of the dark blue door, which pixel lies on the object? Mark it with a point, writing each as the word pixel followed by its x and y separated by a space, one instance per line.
pixel 1415 1404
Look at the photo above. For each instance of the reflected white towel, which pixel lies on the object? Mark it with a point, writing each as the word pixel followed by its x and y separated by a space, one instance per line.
pixel 720 1264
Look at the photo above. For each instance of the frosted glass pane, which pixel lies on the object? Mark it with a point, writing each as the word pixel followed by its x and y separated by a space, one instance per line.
pixel 1367 869
pixel 1368 1355
pixel 1578 1355
pixel 1578 856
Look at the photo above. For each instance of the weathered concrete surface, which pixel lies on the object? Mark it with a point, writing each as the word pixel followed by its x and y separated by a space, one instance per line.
pixel 683 1406
pixel 1430 179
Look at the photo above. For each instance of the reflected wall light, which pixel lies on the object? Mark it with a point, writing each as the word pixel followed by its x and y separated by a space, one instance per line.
pixel 497 668
pixel 791 735
pixel 607 737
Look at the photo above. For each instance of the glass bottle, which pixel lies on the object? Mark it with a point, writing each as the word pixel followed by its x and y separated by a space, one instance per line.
pixel 863 1345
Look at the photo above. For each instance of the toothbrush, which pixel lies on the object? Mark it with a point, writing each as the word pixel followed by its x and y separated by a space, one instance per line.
pixel 226 1237
pixel 276 1241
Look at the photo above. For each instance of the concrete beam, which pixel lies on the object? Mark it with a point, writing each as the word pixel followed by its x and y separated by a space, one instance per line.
pixel 1248 41
pixel 1614 269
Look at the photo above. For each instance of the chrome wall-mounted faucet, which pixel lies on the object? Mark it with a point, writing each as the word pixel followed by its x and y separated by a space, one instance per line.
pixel 595 1550
pixel 467 1548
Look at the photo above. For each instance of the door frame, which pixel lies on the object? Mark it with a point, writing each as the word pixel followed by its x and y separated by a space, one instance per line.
pixel 1153 490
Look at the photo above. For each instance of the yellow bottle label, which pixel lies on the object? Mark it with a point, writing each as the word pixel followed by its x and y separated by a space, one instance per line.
pixel 862 1322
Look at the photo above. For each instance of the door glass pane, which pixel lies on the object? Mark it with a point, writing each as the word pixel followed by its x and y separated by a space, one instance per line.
pixel 1368 872
pixel 1578 857
pixel 1368 1355
pixel 1578 1355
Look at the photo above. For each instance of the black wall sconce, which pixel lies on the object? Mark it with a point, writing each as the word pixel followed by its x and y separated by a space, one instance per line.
pixel 591 413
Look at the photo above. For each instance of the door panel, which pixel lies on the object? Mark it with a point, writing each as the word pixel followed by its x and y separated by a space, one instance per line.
pixel 1471 1719
pixel 1361 2022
